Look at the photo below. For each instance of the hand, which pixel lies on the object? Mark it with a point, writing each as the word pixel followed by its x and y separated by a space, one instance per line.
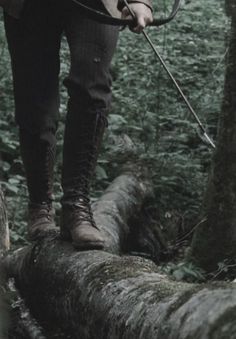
pixel 142 13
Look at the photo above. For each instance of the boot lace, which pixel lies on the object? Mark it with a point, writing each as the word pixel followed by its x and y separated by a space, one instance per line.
pixel 77 180
pixel 40 212
pixel 82 211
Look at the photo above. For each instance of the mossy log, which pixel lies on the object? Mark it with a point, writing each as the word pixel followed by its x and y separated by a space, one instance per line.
pixel 99 295
pixel 22 324
pixel 119 215
pixel 117 206
pixel 96 294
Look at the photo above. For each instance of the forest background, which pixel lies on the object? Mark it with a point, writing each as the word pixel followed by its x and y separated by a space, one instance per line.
pixel 149 125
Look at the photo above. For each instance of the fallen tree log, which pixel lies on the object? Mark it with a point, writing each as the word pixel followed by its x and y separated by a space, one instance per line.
pixel 22 324
pixel 95 294
pixel 119 215
pixel 120 202
pixel 100 295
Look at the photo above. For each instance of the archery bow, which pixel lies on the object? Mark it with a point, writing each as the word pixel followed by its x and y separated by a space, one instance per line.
pixel 107 19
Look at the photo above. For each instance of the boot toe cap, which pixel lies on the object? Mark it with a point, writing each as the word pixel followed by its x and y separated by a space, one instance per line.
pixel 87 237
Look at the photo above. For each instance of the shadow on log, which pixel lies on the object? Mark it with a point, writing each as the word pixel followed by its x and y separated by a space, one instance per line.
pixel 95 294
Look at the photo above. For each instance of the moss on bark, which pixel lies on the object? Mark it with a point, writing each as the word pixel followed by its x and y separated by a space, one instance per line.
pixel 95 294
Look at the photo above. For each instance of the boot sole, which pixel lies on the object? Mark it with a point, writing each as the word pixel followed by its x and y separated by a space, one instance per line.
pixel 90 245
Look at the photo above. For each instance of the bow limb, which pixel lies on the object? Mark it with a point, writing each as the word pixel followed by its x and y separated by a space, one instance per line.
pixel 114 21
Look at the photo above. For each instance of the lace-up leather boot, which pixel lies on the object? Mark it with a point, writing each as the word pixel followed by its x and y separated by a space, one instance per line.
pixel 40 220
pixel 38 155
pixel 80 157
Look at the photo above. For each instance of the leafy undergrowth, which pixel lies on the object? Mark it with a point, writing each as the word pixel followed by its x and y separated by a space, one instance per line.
pixel 149 124
pixel 186 271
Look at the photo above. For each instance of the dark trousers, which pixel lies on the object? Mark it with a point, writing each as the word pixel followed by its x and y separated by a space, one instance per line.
pixel 34 45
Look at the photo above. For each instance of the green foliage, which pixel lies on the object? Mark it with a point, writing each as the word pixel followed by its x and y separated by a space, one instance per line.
pixel 158 122
pixel 149 124
pixel 11 172
pixel 226 271
pixel 185 271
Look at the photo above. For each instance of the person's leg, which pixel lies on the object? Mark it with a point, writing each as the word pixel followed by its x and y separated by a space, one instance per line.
pixel 34 43
pixel 92 46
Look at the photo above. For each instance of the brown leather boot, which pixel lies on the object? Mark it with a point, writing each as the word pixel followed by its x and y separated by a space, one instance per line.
pixel 80 227
pixel 80 157
pixel 40 221
pixel 38 155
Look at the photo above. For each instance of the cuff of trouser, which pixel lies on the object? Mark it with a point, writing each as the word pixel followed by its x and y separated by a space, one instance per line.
pixel 148 3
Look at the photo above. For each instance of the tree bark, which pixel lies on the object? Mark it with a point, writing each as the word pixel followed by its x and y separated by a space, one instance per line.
pixel 215 239
pixel 4 230
pixel 120 202
pixel 95 294
pixel 119 215
pixel 4 246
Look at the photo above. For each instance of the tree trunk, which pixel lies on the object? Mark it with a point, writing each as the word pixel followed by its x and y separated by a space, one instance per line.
pixel 4 245
pixel 95 294
pixel 4 230
pixel 215 239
